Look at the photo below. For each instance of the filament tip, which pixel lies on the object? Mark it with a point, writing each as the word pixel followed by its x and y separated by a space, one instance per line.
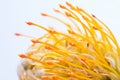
pixel 43 14
pixel 17 34
pixel 22 56
pixel 68 14
pixel 61 6
pixel 56 10
pixel 93 15
pixel 29 23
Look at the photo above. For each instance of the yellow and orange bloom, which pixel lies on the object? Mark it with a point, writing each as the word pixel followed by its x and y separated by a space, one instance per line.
pixel 88 51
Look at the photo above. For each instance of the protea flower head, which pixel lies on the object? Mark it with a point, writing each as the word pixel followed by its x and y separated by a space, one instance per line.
pixel 88 51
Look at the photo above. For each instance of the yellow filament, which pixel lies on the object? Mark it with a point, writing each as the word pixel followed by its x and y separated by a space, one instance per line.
pixel 76 54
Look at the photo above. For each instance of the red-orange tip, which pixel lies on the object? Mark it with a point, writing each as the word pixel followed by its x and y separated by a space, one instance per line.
pixel 34 41
pixel 71 32
pixel 45 78
pixel 61 6
pixel 95 28
pixel 56 10
pixel 48 48
pixel 93 16
pixel 49 63
pixel 55 77
pixel 68 14
pixel 22 56
pixel 29 23
pixel 17 34
pixel 43 14
pixel 68 4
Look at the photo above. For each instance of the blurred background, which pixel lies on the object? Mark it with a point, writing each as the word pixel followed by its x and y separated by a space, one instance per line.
pixel 14 14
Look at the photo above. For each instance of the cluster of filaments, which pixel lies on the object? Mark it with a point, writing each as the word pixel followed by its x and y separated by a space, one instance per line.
pixel 89 51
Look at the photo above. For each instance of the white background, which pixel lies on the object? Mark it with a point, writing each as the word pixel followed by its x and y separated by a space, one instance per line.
pixel 14 14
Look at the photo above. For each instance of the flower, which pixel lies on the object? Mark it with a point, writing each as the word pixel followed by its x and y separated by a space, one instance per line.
pixel 88 51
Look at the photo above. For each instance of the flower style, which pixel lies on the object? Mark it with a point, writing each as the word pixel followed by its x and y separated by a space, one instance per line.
pixel 88 51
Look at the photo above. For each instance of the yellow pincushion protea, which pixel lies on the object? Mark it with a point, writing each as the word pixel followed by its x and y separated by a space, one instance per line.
pixel 89 51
